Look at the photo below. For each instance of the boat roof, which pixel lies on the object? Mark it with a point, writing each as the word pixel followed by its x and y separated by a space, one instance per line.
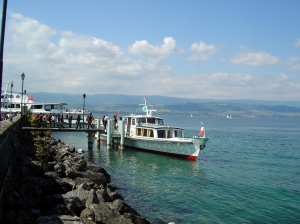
pixel 142 116
pixel 157 126
pixel 46 103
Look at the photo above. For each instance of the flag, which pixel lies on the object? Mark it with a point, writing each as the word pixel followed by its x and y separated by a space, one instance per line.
pixel 202 131
pixel 145 109
pixel 117 114
pixel 30 98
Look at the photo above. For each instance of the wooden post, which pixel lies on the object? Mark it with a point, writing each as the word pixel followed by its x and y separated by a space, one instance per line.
pixel 108 126
pixel 98 133
pixel 90 140
pixel 122 133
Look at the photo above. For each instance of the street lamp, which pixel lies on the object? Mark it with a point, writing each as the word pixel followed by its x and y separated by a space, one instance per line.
pixel 22 77
pixel 23 122
pixel 83 109
pixel 24 103
pixel 11 96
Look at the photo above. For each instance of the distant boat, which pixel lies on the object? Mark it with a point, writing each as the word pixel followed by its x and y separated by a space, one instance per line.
pixel 191 115
pixel 229 116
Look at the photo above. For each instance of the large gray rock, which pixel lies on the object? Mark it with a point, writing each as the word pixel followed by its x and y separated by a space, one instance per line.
pixel 56 219
pixel 60 169
pixel 82 193
pixel 71 149
pixel 119 220
pixel 92 198
pixel 97 178
pixel 103 196
pixel 87 215
pixel 102 212
pixel 136 219
pixel 78 181
pixel 113 193
pixel 61 153
pixel 120 206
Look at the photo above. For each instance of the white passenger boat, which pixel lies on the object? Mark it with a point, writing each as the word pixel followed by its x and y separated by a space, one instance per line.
pixel 11 102
pixel 148 132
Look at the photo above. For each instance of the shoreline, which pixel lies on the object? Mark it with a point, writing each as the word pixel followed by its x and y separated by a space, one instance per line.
pixel 64 188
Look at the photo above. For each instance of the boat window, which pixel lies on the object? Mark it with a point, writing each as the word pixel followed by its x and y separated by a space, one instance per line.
pixel 150 133
pixel 127 124
pixel 138 131
pixel 160 121
pixel 18 106
pixel 47 107
pixel 144 132
pixel 161 133
pixel 141 120
pixel 178 133
pixel 151 120
pixel 37 106
pixel 169 134
pixel 133 122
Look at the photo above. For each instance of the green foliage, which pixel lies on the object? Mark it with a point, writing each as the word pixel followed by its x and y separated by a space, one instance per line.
pixel 42 141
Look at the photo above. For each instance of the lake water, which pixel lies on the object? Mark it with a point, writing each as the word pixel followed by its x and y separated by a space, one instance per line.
pixel 249 172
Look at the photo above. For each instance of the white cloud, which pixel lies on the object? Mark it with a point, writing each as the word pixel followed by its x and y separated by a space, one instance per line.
pixel 293 63
pixel 297 44
pixel 144 49
pixel 75 63
pixel 32 35
pixel 242 86
pixel 63 61
pixel 255 59
pixel 224 86
pixel 202 51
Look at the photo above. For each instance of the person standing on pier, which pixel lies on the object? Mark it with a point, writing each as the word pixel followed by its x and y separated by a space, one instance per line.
pixel 41 120
pixel 53 120
pixel 106 118
pixel 70 118
pixel 90 119
pixel 78 119
pixel 115 122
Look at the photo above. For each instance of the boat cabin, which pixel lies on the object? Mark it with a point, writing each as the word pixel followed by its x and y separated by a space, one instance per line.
pixel 151 127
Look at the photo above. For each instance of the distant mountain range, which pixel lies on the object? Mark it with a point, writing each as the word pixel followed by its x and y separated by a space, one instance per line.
pixel 163 104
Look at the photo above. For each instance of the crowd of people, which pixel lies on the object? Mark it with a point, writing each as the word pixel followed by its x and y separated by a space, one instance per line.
pixel 7 116
pixel 57 120
pixel 105 118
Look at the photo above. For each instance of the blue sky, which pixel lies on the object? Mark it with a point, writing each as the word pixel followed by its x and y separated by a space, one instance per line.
pixel 195 49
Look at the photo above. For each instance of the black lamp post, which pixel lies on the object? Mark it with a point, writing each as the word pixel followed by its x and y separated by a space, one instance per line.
pixel 83 109
pixel 22 77
pixel 11 96
pixel 24 100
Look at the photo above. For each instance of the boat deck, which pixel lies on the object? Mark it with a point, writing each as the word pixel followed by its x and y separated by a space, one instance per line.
pixel 101 130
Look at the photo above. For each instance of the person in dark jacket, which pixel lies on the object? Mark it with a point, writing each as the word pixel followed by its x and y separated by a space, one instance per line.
pixel 78 121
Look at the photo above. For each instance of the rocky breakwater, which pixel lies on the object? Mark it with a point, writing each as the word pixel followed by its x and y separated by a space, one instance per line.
pixel 58 186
